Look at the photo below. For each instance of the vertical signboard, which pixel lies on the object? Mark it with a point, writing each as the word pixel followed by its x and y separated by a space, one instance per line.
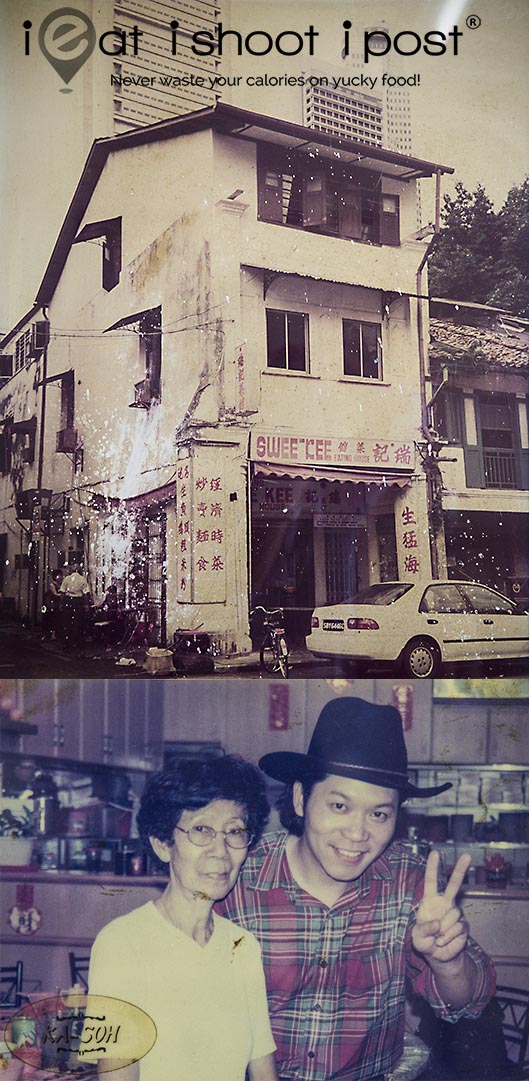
pixel 201 528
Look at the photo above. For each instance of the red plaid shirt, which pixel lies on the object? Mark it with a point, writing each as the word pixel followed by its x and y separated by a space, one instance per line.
pixel 336 977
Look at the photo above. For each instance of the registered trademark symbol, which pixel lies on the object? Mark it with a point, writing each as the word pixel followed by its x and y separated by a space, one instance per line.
pixel 473 21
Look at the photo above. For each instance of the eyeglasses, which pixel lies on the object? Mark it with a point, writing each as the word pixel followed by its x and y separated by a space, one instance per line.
pixel 205 835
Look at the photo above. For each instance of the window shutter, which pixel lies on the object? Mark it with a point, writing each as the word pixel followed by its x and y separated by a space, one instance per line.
pixel 314 200
pixel 350 212
pixel 270 195
pixel 389 220
pixel 112 255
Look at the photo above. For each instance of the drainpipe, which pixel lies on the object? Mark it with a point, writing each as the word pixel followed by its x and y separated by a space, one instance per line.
pixel 40 471
pixel 431 468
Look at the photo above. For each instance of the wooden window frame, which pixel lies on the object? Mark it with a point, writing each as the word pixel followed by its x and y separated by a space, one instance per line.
pixel 287 315
pixel 361 324
pixel 364 212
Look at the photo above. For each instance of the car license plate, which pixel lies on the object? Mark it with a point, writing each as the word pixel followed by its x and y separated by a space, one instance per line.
pixel 333 624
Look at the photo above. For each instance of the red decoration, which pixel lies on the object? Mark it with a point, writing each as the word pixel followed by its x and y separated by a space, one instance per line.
pixel 25 894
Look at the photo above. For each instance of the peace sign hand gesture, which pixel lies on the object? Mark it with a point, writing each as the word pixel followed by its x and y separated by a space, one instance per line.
pixel 440 932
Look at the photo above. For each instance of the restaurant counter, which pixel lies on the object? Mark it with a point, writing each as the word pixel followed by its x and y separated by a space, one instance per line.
pixel 45 914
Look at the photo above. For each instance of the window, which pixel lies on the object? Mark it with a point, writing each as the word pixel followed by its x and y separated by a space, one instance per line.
pixel 287 340
pixel 448 414
pixel 485 602
pixel 6 442
pixel 17 443
pixel 22 349
pixel 24 432
pixel 362 349
pixel 67 400
pixel 6 367
pixel 148 328
pixel 280 197
pixel 151 350
pixel 347 202
pixel 150 332
pixel 443 598
pixel 498 434
pixel 389 220
pixel 66 438
pixel 109 232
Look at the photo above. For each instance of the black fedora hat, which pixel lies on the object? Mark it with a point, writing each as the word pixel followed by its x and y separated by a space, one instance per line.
pixel 353 738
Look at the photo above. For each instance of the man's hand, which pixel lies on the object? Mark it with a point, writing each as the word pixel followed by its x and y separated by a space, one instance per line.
pixel 440 932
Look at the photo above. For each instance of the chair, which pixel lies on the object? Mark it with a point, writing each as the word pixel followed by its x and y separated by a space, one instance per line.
pixel 79 969
pixel 492 1046
pixel 11 985
pixel 514 1004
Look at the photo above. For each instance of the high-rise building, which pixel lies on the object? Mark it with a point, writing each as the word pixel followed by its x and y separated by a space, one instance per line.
pixel 381 117
pixel 342 112
pixel 182 79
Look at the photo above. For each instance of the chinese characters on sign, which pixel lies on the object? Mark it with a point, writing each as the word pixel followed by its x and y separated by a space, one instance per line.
pixel 183 519
pixel 240 382
pixel 320 450
pixel 337 500
pixel 201 529
pixel 409 541
pixel 412 538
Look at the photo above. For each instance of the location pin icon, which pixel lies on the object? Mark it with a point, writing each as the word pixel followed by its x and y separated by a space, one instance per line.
pixel 67 38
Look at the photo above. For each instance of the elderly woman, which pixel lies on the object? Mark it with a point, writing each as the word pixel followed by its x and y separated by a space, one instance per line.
pixel 196 974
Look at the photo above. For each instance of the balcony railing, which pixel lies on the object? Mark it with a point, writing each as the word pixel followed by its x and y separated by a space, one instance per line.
pixel 500 469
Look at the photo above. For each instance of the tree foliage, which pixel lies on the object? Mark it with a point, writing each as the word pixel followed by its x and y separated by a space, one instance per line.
pixel 481 255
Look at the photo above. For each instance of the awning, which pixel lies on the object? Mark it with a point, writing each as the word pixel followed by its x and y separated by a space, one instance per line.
pixel 136 317
pixel 298 472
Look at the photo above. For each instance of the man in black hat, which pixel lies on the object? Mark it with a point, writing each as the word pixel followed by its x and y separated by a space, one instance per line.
pixel 346 918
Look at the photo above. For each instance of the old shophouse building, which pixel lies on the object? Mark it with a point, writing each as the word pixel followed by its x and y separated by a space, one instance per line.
pixel 219 397
pixel 479 360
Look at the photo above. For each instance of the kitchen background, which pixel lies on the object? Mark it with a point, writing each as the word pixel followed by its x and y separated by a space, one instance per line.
pixel 76 754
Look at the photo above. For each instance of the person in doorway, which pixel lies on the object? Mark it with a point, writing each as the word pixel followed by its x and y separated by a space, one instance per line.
pixel 347 918
pixel 108 618
pixel 51 606
pixel 75 594
pixel 194 973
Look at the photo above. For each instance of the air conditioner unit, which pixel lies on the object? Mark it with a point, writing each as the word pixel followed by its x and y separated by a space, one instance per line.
pixel 25 501
pixel 40 336
pixel 142 395
pixel 66 441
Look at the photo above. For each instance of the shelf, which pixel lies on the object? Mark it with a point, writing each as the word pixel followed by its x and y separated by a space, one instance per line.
pixel 464 808
pixel 500 845
pixel 17 728
pixel 470 767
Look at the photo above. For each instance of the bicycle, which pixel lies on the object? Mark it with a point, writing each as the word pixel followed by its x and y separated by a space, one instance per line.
pixel 273 655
